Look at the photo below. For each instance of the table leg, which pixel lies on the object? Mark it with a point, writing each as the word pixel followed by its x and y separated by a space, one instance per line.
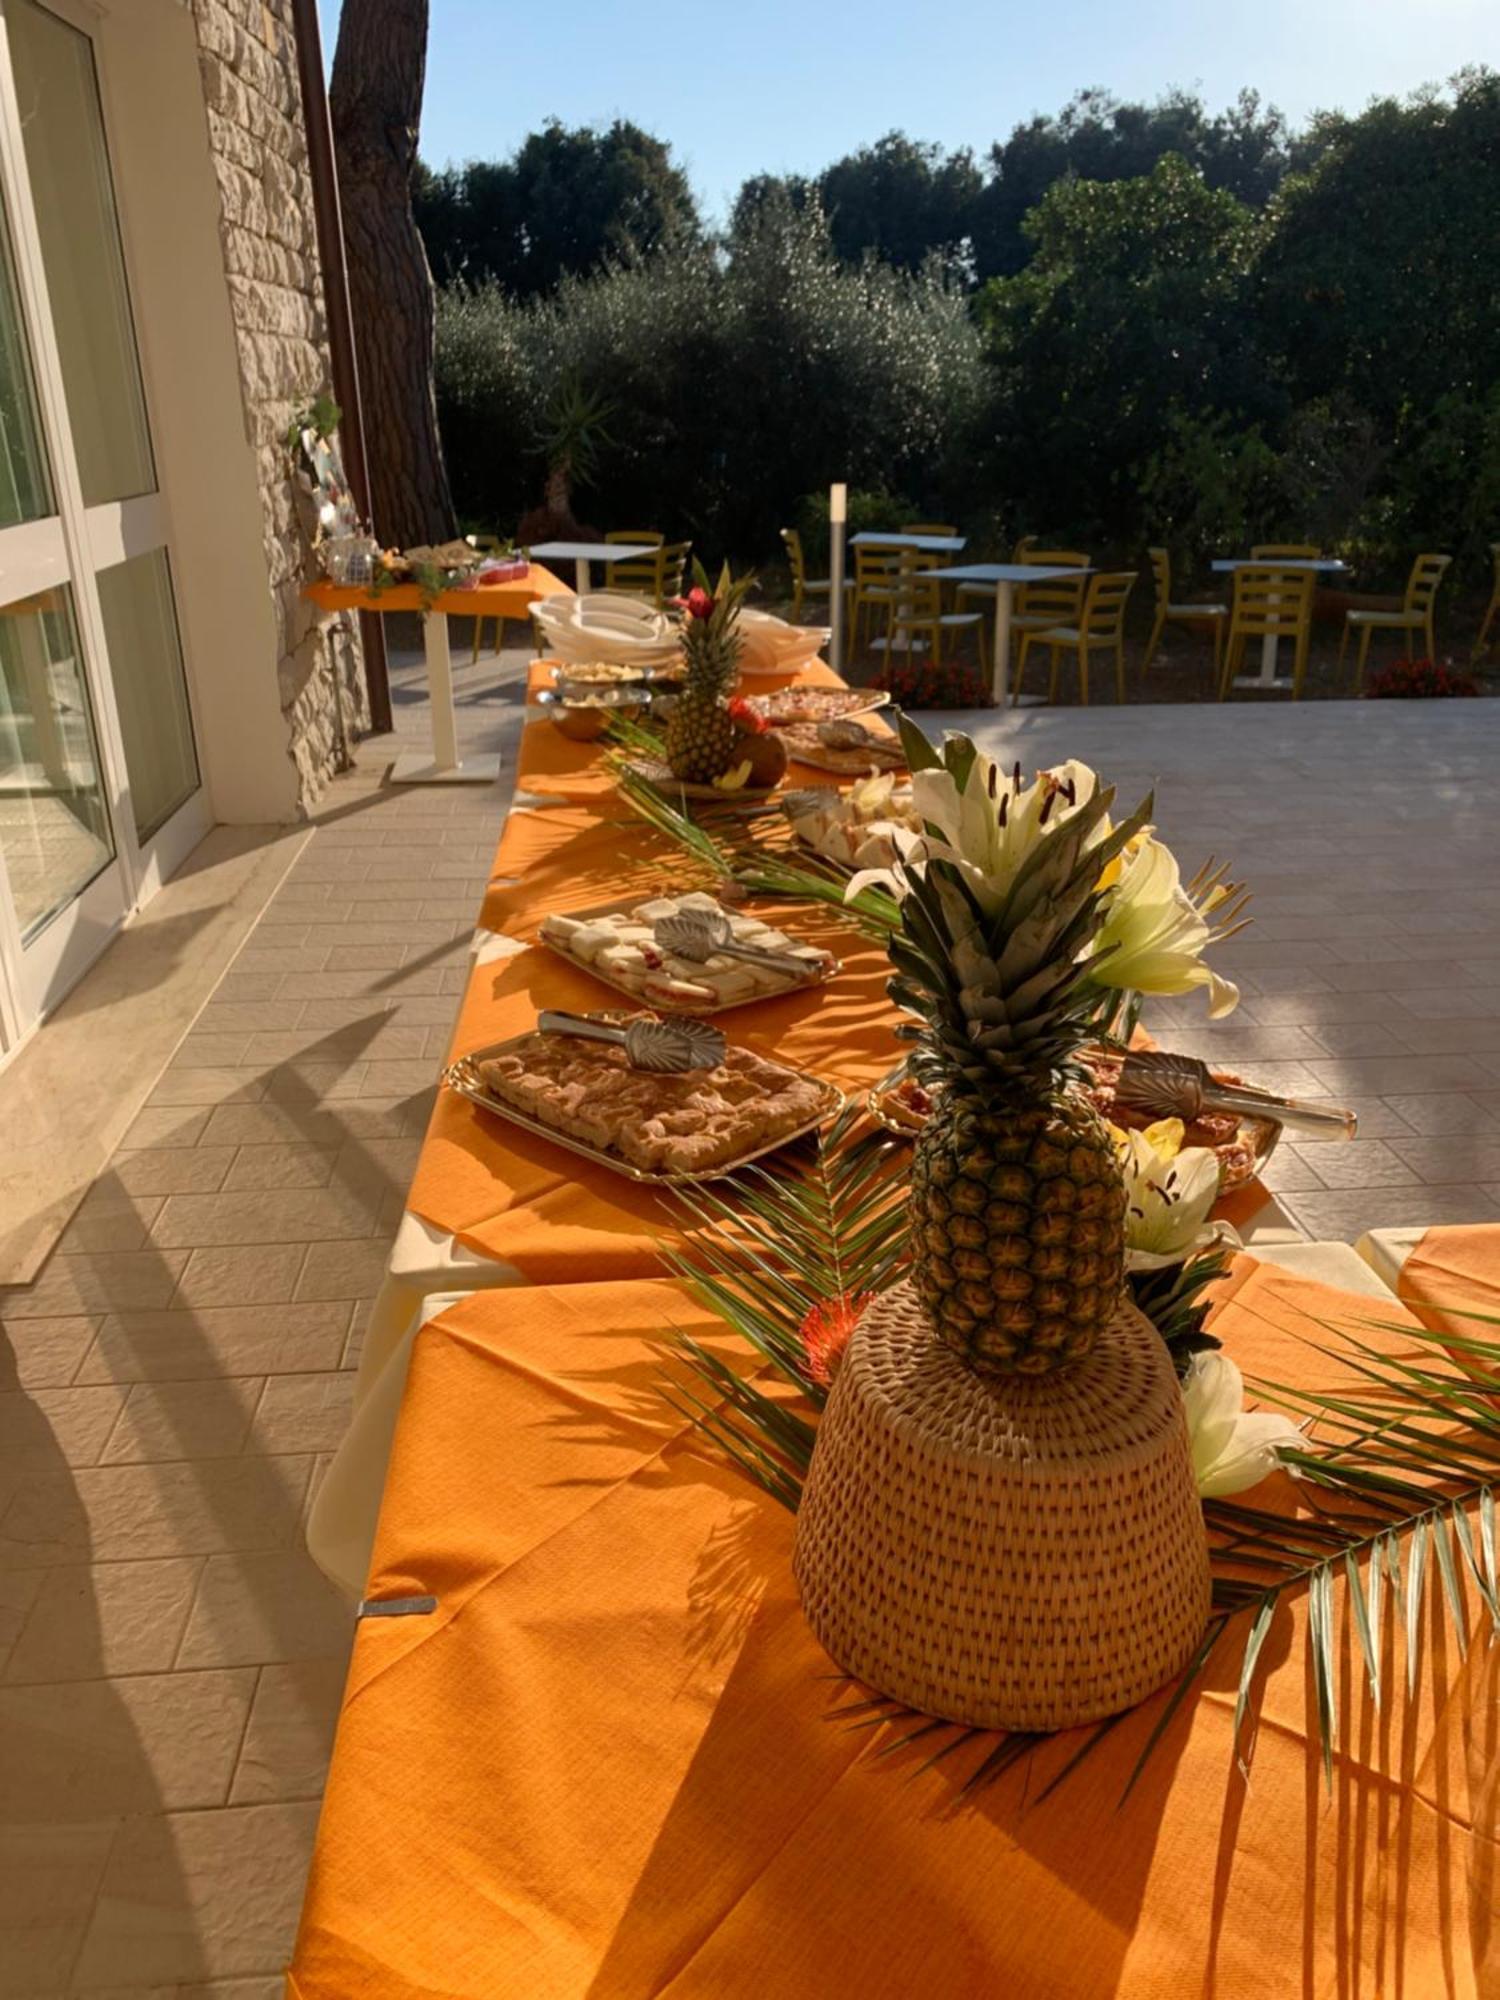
pixel 581 576
pixel 443 766
pixel 1266 678
pixel 1000 686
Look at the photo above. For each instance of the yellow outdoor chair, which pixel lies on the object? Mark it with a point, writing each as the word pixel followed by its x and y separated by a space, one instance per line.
pixel 1100 623
pixel 1056 600
pixel 921 610
pixel 1285 552
pixel 641 577
pixel 1492 609
pixel 1269 603
pixel 1415 614
pixel 876 591
pixel 1214 615
pixel 673 561
pixel 803 585
pixel 487 545
pixel 927 528
pixel 984 593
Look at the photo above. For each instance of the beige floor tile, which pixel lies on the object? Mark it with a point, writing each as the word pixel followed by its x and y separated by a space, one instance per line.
pixel 172 1169
pixel 1364 1163
pixel 98 1620
pixel 1407 1074
pixel 42 1428
pixel 258 1608
pixel 290 1732
pixel 1443 1038
pixel 199 1051
pixel 139 1744
pixel 199 1895
pixel 189 1087
pixel 19 1590
pixel 1444 1113
pixel 262 1274
pixel 302 1413
pixel 49 1875
pixel 1453 1156
pixel 167 1420
pixel 121 1281
pixel 36 1353
pixel 354 1268
pixel 310 1124
pixel 121 1223
pixel 281 1166
pixel 203 1221
pixel 1345 1214
pixel 186 1345
pixel 271 1986
pixel 247 1017
pixel 114 1513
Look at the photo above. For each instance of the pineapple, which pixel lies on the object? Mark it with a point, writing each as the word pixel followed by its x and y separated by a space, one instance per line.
pixel 702 736
pixel 1018 1199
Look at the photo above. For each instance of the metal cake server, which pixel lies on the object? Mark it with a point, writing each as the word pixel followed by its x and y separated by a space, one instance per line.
pixel 669 1048
pixel 703 934
pixel 1173 1086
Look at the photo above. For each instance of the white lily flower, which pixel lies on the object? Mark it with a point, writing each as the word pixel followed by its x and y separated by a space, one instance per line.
pixel 1232 1447
pixel 1169 1192
pixel 1155 935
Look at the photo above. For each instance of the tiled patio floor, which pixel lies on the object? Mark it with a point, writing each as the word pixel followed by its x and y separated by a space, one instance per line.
pixel 170 1660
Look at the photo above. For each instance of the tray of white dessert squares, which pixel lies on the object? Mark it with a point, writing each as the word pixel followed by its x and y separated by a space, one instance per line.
pixel 617 943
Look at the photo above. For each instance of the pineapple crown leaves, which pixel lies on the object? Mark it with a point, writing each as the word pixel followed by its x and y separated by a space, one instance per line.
pixel 711 638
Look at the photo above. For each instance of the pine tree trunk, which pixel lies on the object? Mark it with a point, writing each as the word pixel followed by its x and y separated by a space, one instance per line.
pixel 375 101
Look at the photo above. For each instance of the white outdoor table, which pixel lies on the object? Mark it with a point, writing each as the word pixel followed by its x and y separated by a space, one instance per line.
pixel 942 545
pixel 581 554
pixel 1005 577
pixel 1266 678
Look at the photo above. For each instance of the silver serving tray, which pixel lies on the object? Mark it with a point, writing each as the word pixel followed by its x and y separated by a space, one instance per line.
pixel 464 1080
pixel 643 1000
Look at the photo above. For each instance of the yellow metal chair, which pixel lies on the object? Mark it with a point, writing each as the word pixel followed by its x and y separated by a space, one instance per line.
pixel 1269 603
pixel 921 610
pixel 641 576
pixel 1101 623
pixel 1054 601
pixel 984 593
pixel 673 561
pixel 1214 615
pixel 803 585
pixel 487 545
pixel 927 528
pixel 1492 609
pixel 876 591
pixel 1415 614
pixel 1285 552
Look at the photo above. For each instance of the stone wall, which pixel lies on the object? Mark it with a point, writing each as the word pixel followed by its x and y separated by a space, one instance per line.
pixel 249 64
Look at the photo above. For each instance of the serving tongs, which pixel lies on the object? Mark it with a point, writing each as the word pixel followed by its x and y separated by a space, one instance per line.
pixel 667 1048
pixel 1173 1086
pixel 699 935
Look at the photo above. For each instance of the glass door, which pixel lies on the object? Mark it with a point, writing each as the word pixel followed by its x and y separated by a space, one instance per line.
pixel 99 784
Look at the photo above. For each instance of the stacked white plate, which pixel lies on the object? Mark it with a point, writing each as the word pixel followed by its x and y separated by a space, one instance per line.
pixel 606 625
pixel 774 647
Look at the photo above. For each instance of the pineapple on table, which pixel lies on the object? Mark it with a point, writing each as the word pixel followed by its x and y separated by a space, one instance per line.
pixel 1024 913
pixel 702 736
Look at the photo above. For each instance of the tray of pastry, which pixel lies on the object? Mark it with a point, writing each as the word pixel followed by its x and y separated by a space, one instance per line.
pixel 844 746
pixel 659 1130
pixel 1242 1142
pixel 615 942
pixel 791 705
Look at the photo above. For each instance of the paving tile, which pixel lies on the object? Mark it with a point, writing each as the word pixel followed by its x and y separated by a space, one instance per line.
pixel 1451 1003
pixel 1363 1163
pixel 177 1344
pixel 1354 1038
pixel 269 1987
pixel 99 1283
pixel 19 1590
pixel 1287 1170
pixel 241 983
pixel 265 1274
pixel 39 1353
pixel 204 1894
pixel 166 1125
pixel 303 1413
pixel 135 1744
pixel 1392 975
pixel 1449 1111
pixel 1404 1074
pixel 208 1086
pixel 252 1609
pixel 49 1874
pixel 1343 1215
pixel 285 1124
pixel 194 1420
pixel 1453 1156
pixel 305 1084
pixel 279 1216
pixel 113 1221
pixel 172 1169
pixel 97 1620
pixel 221 1051
pixel 396 1079
pixel 1480 1037
pixel 351 1269
pixel 290 1733
pixel 41 1429
pixel 281 1167
pixel 249 1017
pixel 114 1513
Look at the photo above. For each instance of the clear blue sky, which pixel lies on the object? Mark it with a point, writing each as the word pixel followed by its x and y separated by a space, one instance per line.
pixel 788 85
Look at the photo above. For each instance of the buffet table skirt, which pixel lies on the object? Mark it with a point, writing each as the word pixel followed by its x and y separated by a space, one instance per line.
pixel 603 1764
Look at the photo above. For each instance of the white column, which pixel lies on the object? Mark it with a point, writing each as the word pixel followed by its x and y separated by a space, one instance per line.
pixel 440 689
pixel 838 515
pixel 1004 599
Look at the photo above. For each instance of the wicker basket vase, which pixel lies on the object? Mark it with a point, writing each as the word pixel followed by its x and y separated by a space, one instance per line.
pixel 1007 1552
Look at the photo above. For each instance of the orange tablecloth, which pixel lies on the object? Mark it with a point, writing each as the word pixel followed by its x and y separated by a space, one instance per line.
pixel 501 600
pixel 604 1766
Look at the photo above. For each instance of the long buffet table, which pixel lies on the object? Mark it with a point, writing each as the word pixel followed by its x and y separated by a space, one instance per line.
pixel 586 1746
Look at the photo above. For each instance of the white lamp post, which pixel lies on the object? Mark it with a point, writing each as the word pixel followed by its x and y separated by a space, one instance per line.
pixel 838 516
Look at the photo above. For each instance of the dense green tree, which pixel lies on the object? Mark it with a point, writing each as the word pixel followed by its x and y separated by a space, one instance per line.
pixel 1130 314
pixel 567 200
pixel 900 200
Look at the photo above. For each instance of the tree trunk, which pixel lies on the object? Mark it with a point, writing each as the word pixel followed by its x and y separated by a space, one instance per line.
pixel 375 101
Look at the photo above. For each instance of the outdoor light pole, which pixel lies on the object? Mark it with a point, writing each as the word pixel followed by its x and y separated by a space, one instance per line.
pixel 838 515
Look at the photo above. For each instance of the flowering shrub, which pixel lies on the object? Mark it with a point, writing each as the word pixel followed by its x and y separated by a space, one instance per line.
pixel 1417 680
pixel 922 684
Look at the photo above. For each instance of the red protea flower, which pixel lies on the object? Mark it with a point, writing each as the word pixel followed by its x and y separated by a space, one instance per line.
pixel 697 604
pixel 825 1332
pixel 749 719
